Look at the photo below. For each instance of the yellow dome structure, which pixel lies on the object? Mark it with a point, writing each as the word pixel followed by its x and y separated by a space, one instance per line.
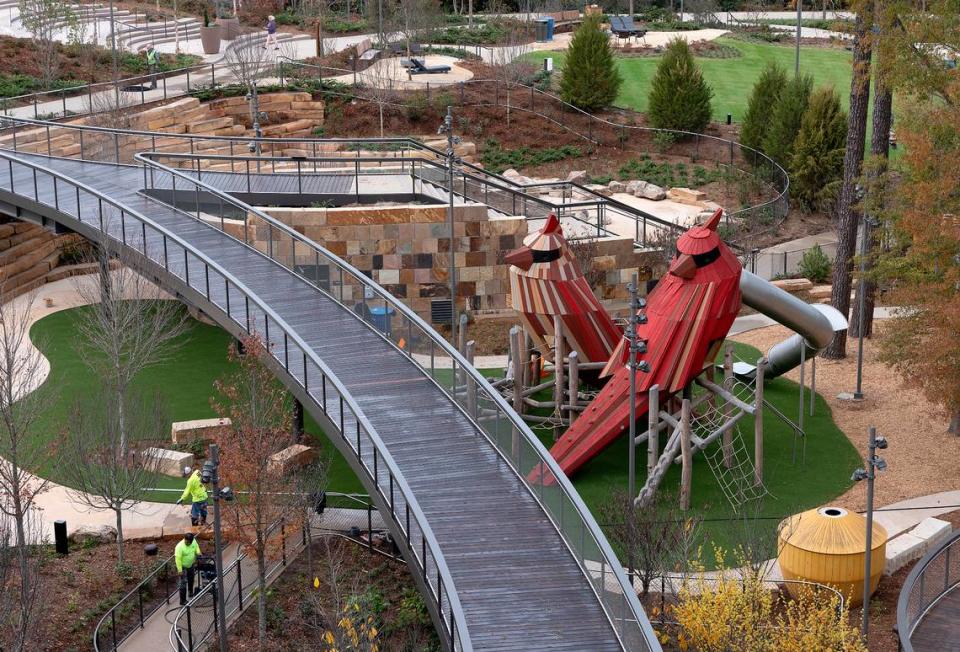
pixel 826 546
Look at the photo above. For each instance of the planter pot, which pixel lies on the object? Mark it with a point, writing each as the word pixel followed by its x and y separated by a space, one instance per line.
pixel 210 38
pixel 229 28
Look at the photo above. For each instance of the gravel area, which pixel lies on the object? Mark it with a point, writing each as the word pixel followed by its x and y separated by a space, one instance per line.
pixel 922 454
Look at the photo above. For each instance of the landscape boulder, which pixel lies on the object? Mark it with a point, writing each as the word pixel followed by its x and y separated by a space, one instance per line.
pixel 793 284
pixel 94 534
pixel 577 176
pixel 651 191
pixel 182 432
pixel 686 196
pixel 292 458
pixel 169 462
pixel 510 173
pixel 617 186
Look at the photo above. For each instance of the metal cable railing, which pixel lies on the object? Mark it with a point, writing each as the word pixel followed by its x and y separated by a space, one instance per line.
pixel 932 579
pixel 445 366
pixel 100 217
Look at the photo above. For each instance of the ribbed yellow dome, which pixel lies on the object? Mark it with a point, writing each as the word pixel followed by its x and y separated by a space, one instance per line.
pixel 826 545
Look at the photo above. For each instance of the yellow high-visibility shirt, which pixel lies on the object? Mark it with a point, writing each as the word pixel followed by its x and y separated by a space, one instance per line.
pixel 195 491
pixel 186 555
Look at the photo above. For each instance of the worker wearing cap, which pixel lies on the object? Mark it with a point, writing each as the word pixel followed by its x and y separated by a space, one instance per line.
pixel 196 493
pixel 185 555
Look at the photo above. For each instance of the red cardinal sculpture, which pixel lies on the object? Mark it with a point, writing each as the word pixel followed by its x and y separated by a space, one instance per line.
pixel 545 281
pixel 688 313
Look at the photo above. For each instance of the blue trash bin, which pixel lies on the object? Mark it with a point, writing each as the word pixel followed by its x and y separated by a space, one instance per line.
pixel 550 28
pixel 381 316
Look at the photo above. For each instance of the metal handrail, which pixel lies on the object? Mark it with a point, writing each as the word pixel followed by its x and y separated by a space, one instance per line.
pixel 457 630
pixel 461 367
pixel 909 616
pixel 111 613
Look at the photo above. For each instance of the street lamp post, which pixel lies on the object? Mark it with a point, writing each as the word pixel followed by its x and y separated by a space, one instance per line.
pixel 637 347
pixel 862 302
pixel 874 463
pixel 211 469
pixel 447 128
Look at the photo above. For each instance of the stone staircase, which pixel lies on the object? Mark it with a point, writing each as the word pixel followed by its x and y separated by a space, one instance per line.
pixel 30 257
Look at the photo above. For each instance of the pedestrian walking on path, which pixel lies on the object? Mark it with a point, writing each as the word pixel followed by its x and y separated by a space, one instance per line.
pixel 271 33
pixel 196 493
pixel 185 555
pixel 152 65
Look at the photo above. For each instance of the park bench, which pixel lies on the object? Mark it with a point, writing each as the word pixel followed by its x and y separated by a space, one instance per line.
pixel 418 67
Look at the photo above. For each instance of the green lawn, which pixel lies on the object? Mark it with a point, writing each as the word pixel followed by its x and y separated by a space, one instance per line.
pixel 186 383
pixel 731 79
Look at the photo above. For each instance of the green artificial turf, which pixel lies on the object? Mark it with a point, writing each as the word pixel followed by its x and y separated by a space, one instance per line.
pixel 185 383
pixel 732 79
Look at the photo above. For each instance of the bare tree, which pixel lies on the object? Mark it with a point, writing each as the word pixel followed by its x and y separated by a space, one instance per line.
pixel 44 19
pixel 508 63
pixel 412 17
pixel 101 452
pixel 381 81
pixel 128 327
pixel 22 369
pixel 261 426
pixel 648 538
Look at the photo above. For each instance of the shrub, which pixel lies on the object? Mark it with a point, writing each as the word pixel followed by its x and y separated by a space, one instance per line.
pixel 496 159
pixel 786 118
pixel 815 265
pixel 416 107
pixel 590 77
pixel 818 150
pixel 679 96
pixel 762 100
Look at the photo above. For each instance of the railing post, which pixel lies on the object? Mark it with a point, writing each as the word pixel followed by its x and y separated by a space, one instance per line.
pixel 239 587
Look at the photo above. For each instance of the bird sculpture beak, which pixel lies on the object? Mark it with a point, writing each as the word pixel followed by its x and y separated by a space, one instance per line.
pixel 683 266
pixel 521 257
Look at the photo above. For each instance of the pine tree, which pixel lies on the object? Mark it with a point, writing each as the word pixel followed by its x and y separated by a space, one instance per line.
pixel 679 96
pixel 763 99
pixel 590 78
pixel 784 123
pixel 817 162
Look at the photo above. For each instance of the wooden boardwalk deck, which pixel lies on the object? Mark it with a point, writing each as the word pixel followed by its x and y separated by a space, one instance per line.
pixel 939 631
pixel 519 585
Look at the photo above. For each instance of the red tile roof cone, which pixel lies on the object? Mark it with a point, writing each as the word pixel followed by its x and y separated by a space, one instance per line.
pixel 545 282
pixel 688 313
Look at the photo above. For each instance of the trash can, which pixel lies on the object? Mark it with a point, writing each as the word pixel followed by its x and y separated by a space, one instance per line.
pixel 381 317
pixel 550 28
pixel 540 29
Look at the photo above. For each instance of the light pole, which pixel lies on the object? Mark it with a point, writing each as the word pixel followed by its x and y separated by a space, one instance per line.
pixel 447 128
pixel 637 346
pixel 211 472
pixel 874 463
pixel 799 21
pixel 862 302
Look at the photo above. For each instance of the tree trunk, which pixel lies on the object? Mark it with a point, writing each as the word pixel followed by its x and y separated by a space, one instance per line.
pixel 261 598
pixel 848 218
pixel 23 559
pixel 119 514
pixel 880 149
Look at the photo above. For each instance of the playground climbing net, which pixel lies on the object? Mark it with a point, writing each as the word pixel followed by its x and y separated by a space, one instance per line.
pixel 731 464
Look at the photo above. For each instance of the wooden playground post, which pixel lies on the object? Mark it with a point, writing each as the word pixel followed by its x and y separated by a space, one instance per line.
pixel 574 385
pixel 728 407
pixel 518 366
pixel 471 386
pixel 523 355
pixel 653 429
pixel 686 472
pixel 558 356
pixel 758 424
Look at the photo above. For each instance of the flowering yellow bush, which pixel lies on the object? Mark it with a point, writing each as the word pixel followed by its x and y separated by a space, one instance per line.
pixel 353 633
pixel 736 610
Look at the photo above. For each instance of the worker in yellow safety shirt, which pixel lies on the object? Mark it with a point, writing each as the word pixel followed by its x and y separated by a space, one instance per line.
pixel 185 555
pixel 196 493
pixel 152 65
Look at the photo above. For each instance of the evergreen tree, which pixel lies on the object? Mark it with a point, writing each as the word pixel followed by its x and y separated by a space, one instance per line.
pixel 590 78
pixel 786 118
pixel 817 162
pixel 679 96
pixel 763 99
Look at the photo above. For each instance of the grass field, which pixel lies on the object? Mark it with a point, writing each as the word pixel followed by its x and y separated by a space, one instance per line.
pixel 185 382
pixel 731 79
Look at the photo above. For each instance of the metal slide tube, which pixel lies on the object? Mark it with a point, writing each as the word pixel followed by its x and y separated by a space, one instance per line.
pixel 814 324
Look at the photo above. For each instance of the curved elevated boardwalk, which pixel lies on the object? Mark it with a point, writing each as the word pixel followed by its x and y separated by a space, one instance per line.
pixel 518 583
pixel 928 611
